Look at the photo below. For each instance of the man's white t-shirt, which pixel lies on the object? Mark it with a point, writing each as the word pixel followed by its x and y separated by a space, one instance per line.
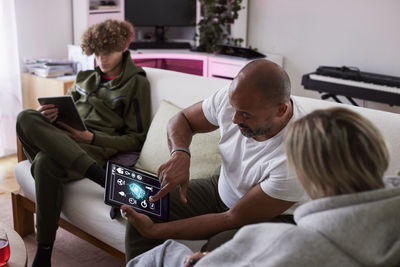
pixel 247 162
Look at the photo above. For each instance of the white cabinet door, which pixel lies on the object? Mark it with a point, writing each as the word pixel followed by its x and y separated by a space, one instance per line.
pixel 224 68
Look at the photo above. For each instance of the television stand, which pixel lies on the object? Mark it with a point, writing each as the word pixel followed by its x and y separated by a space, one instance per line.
pixel 198 63
pixel 159 45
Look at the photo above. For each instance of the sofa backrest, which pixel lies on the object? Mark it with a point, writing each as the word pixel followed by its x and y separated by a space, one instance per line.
pixel 180 88
pixel 185 89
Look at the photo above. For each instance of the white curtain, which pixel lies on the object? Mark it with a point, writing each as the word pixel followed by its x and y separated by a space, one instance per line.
pixel 10 83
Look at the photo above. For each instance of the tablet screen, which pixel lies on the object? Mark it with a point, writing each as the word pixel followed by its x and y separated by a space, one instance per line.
pixel 134 187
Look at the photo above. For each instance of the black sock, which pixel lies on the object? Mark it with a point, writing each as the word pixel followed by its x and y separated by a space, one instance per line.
pixel 43 256
pixel 97 174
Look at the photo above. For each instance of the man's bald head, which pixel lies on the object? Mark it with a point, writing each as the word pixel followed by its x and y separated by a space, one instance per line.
pixel 267 77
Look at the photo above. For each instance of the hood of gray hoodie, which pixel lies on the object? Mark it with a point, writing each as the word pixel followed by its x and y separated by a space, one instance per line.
pixel 364 226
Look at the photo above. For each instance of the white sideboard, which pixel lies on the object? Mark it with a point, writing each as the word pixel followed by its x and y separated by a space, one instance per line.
pixel 204 64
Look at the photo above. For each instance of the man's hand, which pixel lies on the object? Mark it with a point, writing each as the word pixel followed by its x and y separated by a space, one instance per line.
pixel 50 111
pixel 142 222
pixel 79 136
pixel 173 173
pixel 190 260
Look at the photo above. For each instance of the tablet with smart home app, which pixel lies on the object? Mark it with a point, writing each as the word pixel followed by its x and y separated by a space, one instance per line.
pixel 134 187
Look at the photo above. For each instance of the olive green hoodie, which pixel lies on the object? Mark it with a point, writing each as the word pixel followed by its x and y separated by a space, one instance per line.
pixel 117 111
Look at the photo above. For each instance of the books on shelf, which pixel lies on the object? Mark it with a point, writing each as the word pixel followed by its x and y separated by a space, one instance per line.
pixel 50 68
pixel 51 72
pixel 105 7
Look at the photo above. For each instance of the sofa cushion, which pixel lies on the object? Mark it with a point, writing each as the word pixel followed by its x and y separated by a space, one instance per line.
pixel 204 147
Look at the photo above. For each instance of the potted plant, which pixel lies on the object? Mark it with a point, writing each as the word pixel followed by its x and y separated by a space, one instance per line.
pixel 215 25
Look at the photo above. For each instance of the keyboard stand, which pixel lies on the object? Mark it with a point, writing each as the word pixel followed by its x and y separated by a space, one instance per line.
pixel 334 97
pixel 352 101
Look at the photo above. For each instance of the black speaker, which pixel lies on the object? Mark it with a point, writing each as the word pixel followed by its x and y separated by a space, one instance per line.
pixel 238 51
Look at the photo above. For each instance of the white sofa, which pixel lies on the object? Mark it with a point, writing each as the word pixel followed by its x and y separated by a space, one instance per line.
pixel 84 212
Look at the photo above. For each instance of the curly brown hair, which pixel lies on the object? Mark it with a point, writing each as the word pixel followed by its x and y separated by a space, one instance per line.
pixel 106 37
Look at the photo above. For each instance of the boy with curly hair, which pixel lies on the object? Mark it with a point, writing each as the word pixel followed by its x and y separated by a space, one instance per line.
pixel 114 103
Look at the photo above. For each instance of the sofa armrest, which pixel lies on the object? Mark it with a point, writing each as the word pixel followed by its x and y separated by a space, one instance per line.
pixel 20 152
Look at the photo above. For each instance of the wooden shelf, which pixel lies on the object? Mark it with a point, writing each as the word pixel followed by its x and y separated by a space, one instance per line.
pixel 34 86
pixel 101 11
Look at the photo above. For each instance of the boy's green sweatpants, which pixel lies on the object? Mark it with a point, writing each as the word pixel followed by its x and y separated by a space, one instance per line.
pixel 56 159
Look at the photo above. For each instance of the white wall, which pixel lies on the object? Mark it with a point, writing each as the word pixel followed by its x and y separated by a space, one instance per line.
pixel 309 33
pixel 44 28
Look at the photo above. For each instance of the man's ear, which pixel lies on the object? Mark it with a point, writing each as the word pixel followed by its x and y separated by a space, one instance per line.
pixel 282 108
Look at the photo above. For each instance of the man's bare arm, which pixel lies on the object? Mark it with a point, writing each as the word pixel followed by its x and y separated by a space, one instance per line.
pixel 185 124
pixel 180 130
pixel 254 207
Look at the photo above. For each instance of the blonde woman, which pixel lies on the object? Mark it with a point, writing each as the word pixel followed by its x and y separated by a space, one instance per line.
pixel 353 220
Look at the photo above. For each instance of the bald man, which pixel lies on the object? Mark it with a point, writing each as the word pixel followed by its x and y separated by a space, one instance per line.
pixel 253 184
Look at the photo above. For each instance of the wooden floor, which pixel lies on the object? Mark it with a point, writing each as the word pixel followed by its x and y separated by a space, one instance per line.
pixel 8 183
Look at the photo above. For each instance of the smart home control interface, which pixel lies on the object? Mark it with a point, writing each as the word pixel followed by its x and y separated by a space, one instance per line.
pixel 134 188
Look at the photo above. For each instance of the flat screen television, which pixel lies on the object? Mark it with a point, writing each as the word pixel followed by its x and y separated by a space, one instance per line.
pixel 161 14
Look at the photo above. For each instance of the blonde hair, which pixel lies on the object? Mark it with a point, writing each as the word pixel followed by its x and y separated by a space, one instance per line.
pixel 108 36
pixel 337 151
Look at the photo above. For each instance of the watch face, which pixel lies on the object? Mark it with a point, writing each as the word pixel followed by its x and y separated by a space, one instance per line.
pixel 134 188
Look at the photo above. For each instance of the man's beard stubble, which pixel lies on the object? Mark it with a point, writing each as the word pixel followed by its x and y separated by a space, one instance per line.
pixel 248 132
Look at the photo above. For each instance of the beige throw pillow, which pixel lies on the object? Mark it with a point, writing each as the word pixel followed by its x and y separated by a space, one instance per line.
pixel 204 148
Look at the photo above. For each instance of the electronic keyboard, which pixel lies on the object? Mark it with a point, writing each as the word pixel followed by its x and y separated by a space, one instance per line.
pixel 351 83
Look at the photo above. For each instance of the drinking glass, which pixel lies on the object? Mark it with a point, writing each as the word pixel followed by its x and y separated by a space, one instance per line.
pixel 4 247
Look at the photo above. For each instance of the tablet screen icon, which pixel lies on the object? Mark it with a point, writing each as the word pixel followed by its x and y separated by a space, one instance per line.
pixel 132 201
pixel 143 204
pixel 150 188
pixel 137 191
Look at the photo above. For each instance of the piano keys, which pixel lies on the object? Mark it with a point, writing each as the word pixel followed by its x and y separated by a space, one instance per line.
pixel 333 86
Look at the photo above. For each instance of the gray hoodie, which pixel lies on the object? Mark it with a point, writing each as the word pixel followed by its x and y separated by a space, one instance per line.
pixel 360 229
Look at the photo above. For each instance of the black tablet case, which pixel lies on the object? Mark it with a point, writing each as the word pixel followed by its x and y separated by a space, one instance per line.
pixel 67 111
